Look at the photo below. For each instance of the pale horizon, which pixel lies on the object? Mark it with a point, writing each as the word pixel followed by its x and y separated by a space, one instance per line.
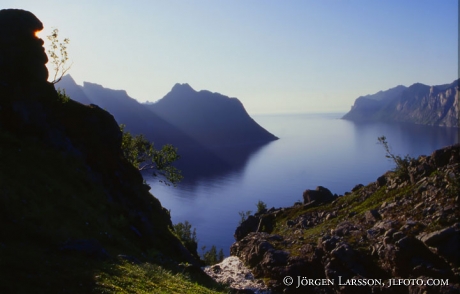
pixel 275 57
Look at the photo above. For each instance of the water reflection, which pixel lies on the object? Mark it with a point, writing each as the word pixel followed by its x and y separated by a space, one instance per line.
pixel 312 150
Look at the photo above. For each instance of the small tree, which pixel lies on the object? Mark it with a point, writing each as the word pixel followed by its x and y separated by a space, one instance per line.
pixel 142 155
pixel 62 96
pixel 244 216
pixel 402 163
pixel 210 257
pixel 188 236
pixel 261 206
pixel 221 255
pixel 57 53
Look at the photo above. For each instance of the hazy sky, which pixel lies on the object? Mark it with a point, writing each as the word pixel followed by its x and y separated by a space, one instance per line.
pixel 275 56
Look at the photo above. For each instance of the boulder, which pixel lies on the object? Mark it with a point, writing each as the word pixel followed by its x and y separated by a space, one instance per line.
pixel 372 216
pixel 319 195
pixel 249 225
pixel 446 241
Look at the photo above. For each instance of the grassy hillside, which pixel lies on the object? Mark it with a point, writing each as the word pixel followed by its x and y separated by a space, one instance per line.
pixel 61 235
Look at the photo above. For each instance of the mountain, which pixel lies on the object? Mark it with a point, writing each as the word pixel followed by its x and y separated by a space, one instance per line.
pixel 76 216
pixel 183 117
pixel 419 104
pixel 126 110
pixel 211 118
pixel 213 133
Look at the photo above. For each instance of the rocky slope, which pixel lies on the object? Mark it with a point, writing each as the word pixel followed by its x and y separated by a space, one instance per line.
pixel 72 207
pixel 419 104
pixel 403 226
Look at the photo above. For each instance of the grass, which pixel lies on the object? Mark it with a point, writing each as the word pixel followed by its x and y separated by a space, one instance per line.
pixel 48 198
pixel 146 278
pixel 349 208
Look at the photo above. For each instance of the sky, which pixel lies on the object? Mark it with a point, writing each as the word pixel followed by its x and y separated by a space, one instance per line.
pixel 293 56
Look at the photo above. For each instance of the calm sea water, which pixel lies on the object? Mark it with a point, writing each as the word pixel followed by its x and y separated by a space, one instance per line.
pixel 313 150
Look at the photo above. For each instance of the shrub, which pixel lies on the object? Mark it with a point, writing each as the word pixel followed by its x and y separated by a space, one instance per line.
pixel 143 156
pixel 244 216
pixel 188 236
pixel 62 96
pixel 261 206
pixel 211 256
pixel 58 56
pixel 402 163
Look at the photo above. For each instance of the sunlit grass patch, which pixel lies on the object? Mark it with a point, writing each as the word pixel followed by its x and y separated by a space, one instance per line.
pixel 145 278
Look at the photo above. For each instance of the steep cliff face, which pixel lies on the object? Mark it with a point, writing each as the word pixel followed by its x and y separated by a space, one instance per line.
pixel 419 104
pixel 68 197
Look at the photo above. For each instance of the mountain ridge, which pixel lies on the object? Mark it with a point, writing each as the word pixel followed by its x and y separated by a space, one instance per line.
pixel 419 104
pixel 205 153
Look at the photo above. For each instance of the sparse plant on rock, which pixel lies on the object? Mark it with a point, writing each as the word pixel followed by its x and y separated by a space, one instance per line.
pixel 244 215
pixel 261 206
pixel 57 53
pixel 402 163
pixel 63 97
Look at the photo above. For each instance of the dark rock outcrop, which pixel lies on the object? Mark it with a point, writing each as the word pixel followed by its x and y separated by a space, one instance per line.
pixel 397 227
pixel 419 104
pixel 68 196
pixel 22 56
pixel 319 195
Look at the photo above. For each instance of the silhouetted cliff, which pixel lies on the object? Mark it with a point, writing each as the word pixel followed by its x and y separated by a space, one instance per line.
pixel 213 133
pixel 211 118
pixel 71 205
pixel 419 104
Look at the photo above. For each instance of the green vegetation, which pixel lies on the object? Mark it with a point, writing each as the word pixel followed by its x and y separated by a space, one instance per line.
pixel 148 278
pixel 261 206
pixel 402 163
pixel 61 203
pixel 244 216
pixel 143 156
pixel 211 256
pixel 62 96
pixel 57 53
pixel 188 236
pixel 356 206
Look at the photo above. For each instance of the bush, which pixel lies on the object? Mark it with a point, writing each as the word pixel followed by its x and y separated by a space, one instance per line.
pixel 261 206
pixel 402 163
pixel 244 216
pixel 211 256
pixel 143 156
pixel 62 96
pixel 58 56
pixel 188 236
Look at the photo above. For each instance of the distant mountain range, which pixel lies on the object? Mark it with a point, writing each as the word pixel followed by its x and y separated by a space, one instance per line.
pixel 418 104
pixel 204 126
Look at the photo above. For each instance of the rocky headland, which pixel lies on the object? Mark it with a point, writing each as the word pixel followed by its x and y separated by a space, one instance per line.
pixel 418 104
pixel 402 226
